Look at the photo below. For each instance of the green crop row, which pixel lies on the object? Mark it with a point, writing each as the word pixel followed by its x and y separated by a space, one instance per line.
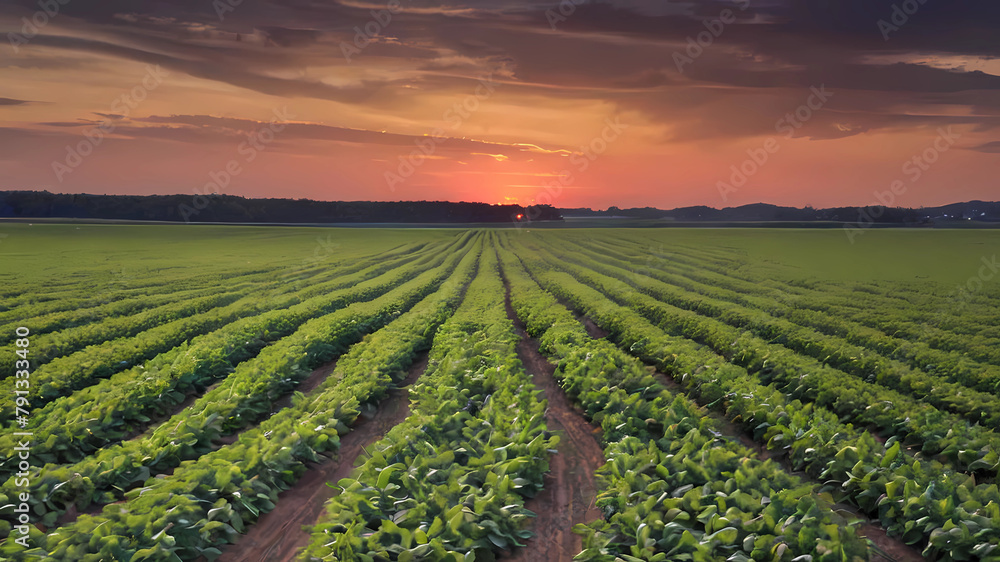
pixel 831 350
pixel 941 509
pixel 46 347
pixel 920 330
pixel 79 296
pixel 449 482
pixel 70 428
pixel 915 348
pixel 94 295
pixel 205 503
pixel 71 319
pixel 913 298
pixel 967 447
pixel 674 490
pixel 119 305
pixel 64 375
pixel 244 397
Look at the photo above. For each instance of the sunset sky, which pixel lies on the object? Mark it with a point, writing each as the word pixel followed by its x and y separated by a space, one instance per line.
pixel 587 103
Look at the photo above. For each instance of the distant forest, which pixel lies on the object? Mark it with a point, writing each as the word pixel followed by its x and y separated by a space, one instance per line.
pixel 230 208
pixel 234 209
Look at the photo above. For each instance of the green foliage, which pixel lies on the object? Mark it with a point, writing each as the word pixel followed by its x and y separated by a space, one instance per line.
pixel 818 371
pixel 673 490
pixel 245 397
pixel 449 483
pixel 205 502
pixel 790 416
pixel 69 429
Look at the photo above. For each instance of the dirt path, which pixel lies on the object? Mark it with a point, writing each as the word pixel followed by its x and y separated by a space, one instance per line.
pixel 895 550
pixel 278 535
pixel 593 330
pixel 570 486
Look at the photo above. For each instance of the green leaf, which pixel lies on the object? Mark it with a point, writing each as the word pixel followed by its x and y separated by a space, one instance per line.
pixel 725 536
pixel 456 522
pixel 384 476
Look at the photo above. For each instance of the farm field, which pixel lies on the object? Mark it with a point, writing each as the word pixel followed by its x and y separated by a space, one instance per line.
pixel 188 392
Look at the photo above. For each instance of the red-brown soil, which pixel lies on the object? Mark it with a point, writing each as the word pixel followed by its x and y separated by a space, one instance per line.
pixel 570 485
pixel 278 535
pixel 593 330
pixel 895 549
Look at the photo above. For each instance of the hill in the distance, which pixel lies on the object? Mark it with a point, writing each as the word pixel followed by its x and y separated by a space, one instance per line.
pixel 981 211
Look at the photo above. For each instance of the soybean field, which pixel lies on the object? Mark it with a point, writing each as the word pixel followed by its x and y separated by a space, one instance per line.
pixel 271 393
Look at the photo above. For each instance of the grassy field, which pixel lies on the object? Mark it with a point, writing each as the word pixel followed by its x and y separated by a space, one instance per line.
pixel 631 394
pixel 55 251
pixel 118 255
pixel 944 257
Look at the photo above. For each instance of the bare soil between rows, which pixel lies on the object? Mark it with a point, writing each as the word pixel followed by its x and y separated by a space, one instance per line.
pixel 314 379
pixel 570 485
pixel 593 330
pixel 895 549
pixel 278 535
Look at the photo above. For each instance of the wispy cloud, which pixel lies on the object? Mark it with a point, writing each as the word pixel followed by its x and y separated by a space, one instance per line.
pixel 9 101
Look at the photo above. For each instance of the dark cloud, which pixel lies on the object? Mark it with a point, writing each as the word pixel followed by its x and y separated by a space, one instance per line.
pixel 618 51
pixel 990 147
pixel 9 101
pixel 286 37
pixel 237 75
pixel 938 25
